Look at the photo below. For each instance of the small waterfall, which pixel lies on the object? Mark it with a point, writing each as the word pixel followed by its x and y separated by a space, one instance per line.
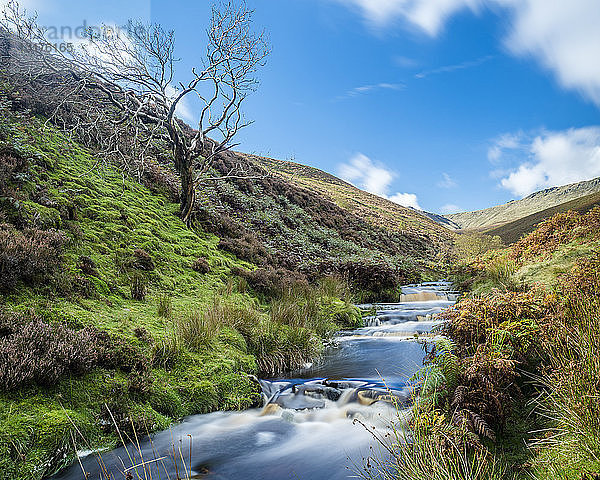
pixel 422 297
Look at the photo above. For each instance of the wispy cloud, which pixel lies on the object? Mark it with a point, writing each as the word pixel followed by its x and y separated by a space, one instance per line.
pixel 562 36
pixel 362 172
pixel 447 181
pixel 405 62
pixel 548 159
pixel 506 141
pixel 366 89
pixel 455 67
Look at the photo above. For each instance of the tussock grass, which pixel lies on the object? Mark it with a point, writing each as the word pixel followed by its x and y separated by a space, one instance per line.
pixel 289 336
pixel 323 308
pixel 279 347
pixel 422 459
pixel 164 306
pixel 572 444
pixel 502 270
pixel 198 329
pixel 335 287
pixel 300 308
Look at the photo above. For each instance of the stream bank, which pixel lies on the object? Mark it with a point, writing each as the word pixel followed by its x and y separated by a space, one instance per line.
pixel 307 427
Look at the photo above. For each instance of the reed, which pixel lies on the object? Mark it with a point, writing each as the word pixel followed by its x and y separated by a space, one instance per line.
pixel 176 463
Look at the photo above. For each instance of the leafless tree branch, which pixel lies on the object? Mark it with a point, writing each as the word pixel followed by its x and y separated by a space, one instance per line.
pixel 118 91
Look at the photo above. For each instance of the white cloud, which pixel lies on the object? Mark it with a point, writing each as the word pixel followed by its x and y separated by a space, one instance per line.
pixel 429 15
pixel 563 36
pixel 406 200
pixel 447 181
pixel 362 172
pixel 555 158
pixel 450 208
pixel 365 174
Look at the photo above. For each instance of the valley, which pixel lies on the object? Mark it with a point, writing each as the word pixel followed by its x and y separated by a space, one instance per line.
pixel 171 307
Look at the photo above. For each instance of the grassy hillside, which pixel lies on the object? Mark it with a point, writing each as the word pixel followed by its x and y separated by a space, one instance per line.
pixel 261 216
pixel 376 210
pixel 513 231
pixel 114 313
pixel 276 223
pixel 501 214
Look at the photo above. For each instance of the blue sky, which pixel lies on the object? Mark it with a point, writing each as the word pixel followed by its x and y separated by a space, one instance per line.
pixel 443 104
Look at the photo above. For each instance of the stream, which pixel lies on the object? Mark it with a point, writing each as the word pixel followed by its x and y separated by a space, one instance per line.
pixel 307 428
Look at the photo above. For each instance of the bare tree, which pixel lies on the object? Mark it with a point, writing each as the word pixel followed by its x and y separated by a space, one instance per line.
pixel 136 95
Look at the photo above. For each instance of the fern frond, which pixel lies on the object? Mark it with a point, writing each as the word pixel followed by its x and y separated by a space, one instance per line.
pixel 480 425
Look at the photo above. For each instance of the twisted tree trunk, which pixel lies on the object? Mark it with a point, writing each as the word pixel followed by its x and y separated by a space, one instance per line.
pixel 188 191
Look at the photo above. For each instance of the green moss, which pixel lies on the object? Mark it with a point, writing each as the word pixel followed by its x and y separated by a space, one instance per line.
pixel 37 434
pixel 165 399
pixel 342 313
pixel 106 217
pixel 233 338
pixel 40 216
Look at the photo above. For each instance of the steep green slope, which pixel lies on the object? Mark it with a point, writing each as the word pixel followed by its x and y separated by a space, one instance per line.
pixel 113 312
pixel 513 231
pixel 260 215
pixel 516 209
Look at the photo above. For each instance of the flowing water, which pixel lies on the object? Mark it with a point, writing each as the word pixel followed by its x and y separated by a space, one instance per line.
pixel 307 428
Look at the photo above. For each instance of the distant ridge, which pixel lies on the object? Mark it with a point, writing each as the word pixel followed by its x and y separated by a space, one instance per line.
pixel 513 231
pixel 499 215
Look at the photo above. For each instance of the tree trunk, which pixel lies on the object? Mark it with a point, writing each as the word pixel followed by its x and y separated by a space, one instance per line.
pixel 188 187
